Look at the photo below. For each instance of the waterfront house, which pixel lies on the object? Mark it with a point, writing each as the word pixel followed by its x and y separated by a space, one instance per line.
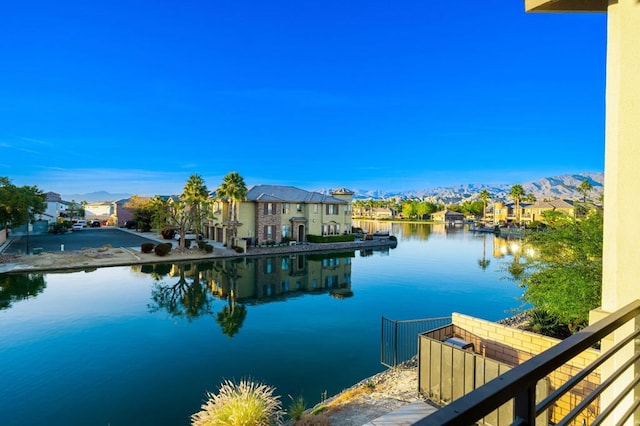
pixel 529 212
pixel 533 212
pixel 382 213
pixel 447 216
pixel 274 213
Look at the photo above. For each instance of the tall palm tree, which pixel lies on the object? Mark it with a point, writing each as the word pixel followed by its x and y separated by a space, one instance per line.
pixel 235 190
pixel 517 192
pixel 196 195
pixel 584 188
pixel 484 196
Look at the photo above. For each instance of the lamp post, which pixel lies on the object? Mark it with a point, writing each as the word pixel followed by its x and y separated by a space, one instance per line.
pixel 28 220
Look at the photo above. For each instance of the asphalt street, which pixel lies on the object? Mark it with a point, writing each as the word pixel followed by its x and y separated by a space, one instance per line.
pixel 77 240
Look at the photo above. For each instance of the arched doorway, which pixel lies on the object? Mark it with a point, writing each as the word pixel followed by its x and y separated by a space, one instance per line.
pixel 300 233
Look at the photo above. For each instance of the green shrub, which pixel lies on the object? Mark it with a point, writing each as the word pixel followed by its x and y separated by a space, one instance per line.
pixel 57 228
pixel 330 238
pixel 208 248
pixel 201 244
pixel 162 249
pixel 145 227
pixel 239 249
pixel 297 407
pixel 244 403
pixel 147 247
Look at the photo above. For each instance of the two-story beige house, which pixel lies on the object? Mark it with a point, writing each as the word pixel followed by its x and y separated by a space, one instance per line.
pixel 529 212
pixel 273 213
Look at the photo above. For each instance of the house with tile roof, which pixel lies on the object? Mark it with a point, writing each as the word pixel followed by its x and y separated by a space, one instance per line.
pixel 530 212
pixel 275 213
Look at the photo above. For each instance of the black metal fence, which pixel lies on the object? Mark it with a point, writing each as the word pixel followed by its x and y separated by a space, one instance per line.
pixel 399 339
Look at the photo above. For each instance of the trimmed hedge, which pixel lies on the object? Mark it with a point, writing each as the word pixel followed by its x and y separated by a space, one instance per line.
pixel 208 248
pixel 162 249
pixel 147 247
pixel 330 238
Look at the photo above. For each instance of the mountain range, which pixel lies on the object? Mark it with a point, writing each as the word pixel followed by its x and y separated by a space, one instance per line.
pixel 564 186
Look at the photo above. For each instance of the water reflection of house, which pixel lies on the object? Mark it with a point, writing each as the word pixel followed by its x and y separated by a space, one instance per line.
pixel 262 278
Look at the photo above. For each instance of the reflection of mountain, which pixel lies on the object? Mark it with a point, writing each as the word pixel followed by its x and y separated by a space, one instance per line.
pixel 14 288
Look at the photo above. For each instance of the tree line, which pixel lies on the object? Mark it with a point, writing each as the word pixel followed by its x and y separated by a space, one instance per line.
pixel 190 210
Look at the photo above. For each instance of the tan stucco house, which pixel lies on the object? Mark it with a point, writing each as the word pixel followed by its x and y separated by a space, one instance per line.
pixel 273 213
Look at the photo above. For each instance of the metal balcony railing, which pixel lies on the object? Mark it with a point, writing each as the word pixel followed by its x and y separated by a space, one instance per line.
pixel 518 384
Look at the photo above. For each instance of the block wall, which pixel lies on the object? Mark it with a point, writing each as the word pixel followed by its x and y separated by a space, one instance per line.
pixel 514 346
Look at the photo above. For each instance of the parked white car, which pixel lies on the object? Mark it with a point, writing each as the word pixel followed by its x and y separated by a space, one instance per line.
pixel 77 227
pixel 189 235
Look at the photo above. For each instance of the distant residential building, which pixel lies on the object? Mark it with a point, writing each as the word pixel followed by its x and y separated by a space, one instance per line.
pixel 274 213
pixel 102 211
pixel 533 212
pixel 56 208
pixel 530 212
pixel 123 213
pixel 382 213
pixel 447 216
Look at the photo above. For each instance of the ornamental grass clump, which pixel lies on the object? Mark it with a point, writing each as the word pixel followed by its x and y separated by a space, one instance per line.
pixel 244 403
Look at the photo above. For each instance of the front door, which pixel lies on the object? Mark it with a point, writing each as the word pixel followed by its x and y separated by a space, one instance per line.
pixel 300 233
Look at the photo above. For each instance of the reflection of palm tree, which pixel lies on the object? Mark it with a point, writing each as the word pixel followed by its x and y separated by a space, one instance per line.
pixel 484 262
pixel 231 318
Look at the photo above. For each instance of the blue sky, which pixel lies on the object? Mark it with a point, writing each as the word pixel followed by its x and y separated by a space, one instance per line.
pixel 135 96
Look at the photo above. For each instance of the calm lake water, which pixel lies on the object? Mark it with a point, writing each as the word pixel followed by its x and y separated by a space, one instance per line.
pixel 142 345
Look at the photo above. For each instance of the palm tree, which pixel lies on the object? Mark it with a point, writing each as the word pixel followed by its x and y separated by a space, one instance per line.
pixel 484 196
pixel 584 188
pixel 235 190
pixel 517 192
pixel 196 195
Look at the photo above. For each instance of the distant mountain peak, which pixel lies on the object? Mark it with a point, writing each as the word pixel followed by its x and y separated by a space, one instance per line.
pixel 562 186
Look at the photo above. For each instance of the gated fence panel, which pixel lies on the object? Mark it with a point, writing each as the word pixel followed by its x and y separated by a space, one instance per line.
pixel 399 339
pixel 446 373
